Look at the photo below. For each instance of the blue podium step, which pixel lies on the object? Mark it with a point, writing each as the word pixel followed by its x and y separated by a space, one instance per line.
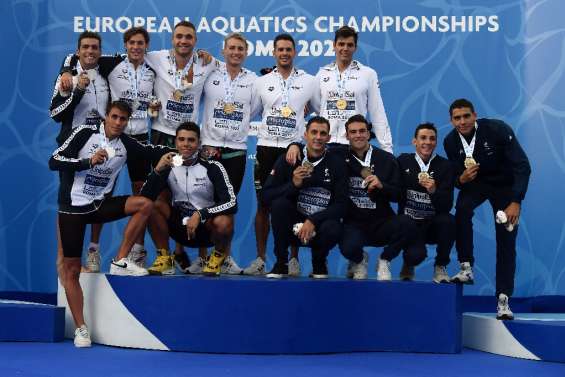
pixel 534 336
pixel 31 322
pixel 257 315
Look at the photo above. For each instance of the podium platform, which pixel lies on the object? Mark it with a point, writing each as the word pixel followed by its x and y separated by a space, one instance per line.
pixel 22 321
pixel 534 336
pixel 261 316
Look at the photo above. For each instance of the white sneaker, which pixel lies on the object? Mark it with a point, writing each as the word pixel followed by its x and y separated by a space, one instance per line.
pixel 440 274
pixel 257 267
pixel 93 260
pixel 196 266
pixel 358 271
pixel 383 270
pixel 406 273
pixel 125 267
pixel 465 275
pixel 229 267
pixel 138 257
pixel 82 337
pixel 503 309
pixel 293 267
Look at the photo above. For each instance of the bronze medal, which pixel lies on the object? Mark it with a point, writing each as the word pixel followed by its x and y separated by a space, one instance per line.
pixel 309 166
pixel 469 161
pixel 177 95
pixel 341 104
pixel 365 172
pixel 229 108
pixel 286 111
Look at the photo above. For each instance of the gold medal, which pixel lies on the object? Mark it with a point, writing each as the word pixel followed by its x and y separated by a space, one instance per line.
pixel 286 111
pixel 341 104
pixel 177 95
pixel 469 161
pixel 423 175
pixel 365 172
pixel 229 108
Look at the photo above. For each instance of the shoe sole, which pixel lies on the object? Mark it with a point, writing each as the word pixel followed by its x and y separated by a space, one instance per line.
pixel 212 274
pixel 319 276
pixel 83 345
pixel 468 282
pixel 381 279
pixel 275 276
pixel 166 272
pixel 443 281
pixel 505 317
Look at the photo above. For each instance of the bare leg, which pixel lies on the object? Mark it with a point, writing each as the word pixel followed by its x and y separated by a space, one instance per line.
pixel 158 227
pixel 60 260
pixel 222 232
pixel 95 231
pixel 140 209
pixel 262 230
pixel 136 189
pixel 73 289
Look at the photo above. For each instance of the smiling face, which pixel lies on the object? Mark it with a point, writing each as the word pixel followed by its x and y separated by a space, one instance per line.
pixel 115 122
pixel 425 143
pixel 135 47
pixel 317 136
pixel 284 54
pixel 235 52
pixel 344 50
pixel 89 53
pixel 463 119
pixel 358 136
pixel 186 143
pixel 184 40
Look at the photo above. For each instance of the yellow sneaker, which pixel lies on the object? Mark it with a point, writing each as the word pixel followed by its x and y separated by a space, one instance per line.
pixel 163 264
pixel 214 264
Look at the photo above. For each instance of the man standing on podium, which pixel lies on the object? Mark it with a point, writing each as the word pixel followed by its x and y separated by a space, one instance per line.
pixel 490 165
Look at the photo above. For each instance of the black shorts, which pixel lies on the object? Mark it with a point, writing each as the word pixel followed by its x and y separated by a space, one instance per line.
pixel 234 161
pixel 177 232
pixel 72 226
pixel 161 138
pixel 139 169
pixel 265 159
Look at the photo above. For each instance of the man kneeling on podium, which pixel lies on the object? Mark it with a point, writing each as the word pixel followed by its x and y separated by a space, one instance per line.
pixel 311 194
pixel 202 207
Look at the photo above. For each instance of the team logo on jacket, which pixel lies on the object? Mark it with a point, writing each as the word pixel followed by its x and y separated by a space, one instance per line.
pixel 271 88
pixel 326 79
pixel 216 82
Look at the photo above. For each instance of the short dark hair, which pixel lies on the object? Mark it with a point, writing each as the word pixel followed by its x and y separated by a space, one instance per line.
pixel 425 126
pixel 134 31
pixel 188 126
pixel 358 118
pixel 460 103
pixel 346 32
pixel 318 119
pixel 186 24
pixel 284 37
pixel 120 105
pixel 89 34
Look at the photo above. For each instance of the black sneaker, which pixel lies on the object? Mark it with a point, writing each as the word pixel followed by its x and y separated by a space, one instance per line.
pixel 182 262
pixel 319 270
pixel 279 271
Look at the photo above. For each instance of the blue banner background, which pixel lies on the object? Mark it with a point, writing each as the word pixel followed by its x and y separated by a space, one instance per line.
pixel 515 74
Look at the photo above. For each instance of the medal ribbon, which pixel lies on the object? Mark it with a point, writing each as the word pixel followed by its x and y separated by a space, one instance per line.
pixel 134 79
pixel 423 166
pixel 469 148
pixel 367 162
pixel 230 86
pixel 315 163
pixel 340 79
pixel 179 75
pixel 285 85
